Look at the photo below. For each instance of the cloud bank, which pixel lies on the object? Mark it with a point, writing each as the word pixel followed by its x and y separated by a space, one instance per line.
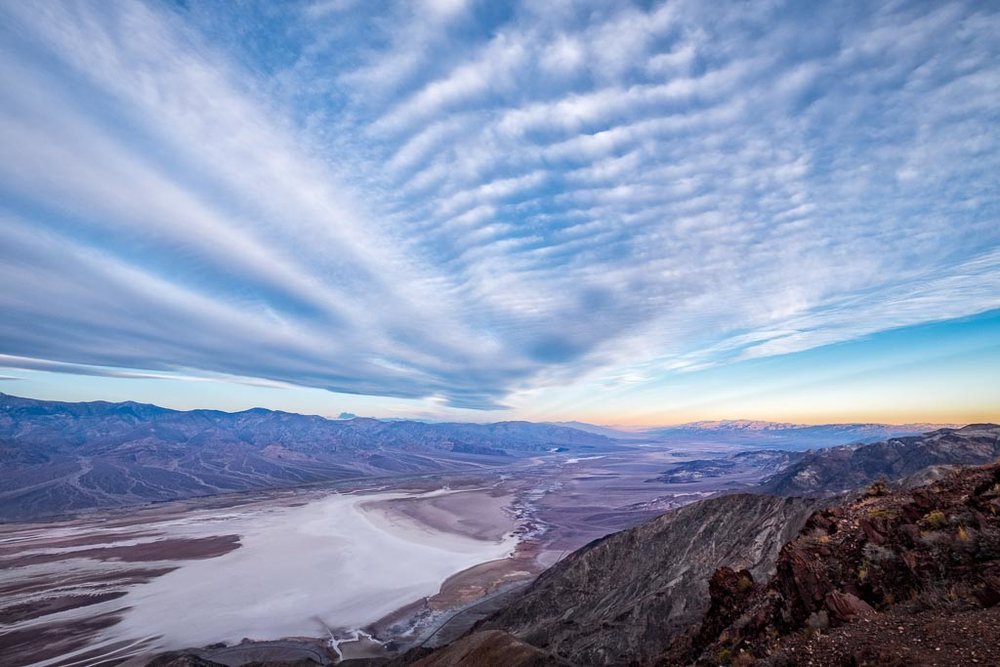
pixel 465 200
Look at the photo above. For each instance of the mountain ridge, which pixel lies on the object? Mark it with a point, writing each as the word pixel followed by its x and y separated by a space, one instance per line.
pixel 782 435
pixel 63 457
pixel 839 469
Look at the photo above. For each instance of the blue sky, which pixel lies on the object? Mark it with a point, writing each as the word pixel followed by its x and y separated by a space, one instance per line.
pixel 629 212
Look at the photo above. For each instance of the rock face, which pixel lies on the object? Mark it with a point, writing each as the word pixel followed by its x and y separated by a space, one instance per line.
pixel 625 596
pixel 839 469
pixel 933 550
pixel 61 457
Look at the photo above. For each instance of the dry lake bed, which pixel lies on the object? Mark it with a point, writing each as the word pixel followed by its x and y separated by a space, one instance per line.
pixel 312 573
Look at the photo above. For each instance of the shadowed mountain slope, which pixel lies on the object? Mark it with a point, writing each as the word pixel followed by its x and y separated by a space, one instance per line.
pixel 60 457
pixel 840 469
pixel 623 597
pixel 488 648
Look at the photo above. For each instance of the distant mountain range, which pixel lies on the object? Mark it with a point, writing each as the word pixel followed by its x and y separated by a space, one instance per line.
pixel 756 434
pixel 61 457
pixel 781 435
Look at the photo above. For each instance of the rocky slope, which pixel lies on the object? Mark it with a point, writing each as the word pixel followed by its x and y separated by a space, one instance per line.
pixel 903 577
pixel 839 469
pixel 623 597
pixel 60 457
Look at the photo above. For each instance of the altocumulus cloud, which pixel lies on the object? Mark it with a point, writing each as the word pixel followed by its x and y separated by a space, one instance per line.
pixel 463 200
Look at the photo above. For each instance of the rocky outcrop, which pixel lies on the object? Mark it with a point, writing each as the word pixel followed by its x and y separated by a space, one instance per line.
pixel 841 469
pixel 931 550
pixel 625 597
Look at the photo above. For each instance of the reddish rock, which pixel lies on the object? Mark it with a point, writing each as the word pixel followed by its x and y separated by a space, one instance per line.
pixel 876 556
pixel 728 592
pixel 844 607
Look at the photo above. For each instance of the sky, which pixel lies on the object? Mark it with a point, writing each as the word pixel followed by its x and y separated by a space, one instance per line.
pixel 625 213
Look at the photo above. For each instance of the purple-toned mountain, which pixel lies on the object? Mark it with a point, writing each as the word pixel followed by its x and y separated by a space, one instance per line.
pixel 61 457
pixel 781 435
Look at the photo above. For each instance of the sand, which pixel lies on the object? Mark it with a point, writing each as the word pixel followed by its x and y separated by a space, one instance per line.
pixel 473 513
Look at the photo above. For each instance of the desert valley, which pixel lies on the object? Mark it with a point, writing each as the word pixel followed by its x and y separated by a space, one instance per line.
pixel 376 566
pixel 499 333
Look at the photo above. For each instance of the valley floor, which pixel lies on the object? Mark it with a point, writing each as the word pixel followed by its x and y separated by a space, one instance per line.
pixel 353 572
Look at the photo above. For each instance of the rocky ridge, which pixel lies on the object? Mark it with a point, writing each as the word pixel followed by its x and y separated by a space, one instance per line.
pixel 868 568
pixel 623 597
pixel 841 469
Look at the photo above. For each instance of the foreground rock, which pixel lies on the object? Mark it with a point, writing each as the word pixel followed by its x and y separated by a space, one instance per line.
pixel 624 597
pixel 908 577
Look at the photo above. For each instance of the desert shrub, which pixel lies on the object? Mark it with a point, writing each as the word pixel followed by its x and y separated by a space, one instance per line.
pixel 818 620
pixel 880 487
pixel 882 514
pixel 723 656
pixel 936 520
pixel 817 536
pixel 878 554
pixel 744 583
pixel 941 596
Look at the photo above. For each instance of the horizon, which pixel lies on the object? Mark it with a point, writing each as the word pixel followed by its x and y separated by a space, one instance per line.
pixel 622 427
pixel 640 214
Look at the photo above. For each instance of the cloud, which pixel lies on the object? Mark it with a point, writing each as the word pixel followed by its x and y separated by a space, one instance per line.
pixel 447 200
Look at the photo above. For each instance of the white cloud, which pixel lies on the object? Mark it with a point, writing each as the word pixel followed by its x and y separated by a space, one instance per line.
pixel 430 207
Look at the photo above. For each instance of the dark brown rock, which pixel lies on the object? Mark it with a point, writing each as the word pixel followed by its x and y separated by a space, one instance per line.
pixel 871 563
pixel 845 607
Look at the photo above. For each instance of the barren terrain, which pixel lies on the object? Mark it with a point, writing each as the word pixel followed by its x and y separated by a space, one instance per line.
pixel 349 571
